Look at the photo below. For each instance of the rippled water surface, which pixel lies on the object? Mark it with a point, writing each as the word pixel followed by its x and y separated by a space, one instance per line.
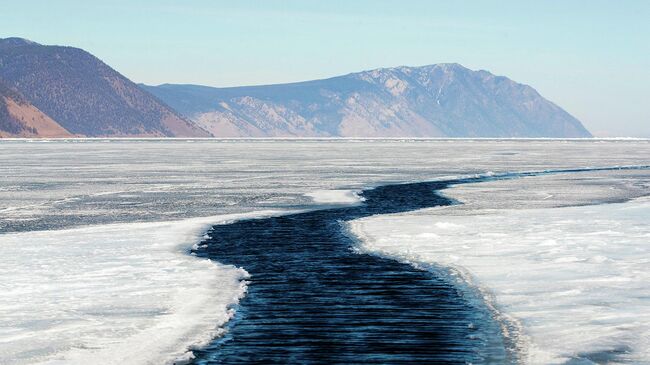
pixel 312 299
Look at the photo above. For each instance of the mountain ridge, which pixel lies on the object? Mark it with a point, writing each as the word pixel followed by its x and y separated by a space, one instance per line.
pixel 84 95
pixel 61 91
pixel 439 100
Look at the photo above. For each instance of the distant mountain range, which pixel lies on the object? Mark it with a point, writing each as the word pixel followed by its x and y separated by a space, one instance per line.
pixel 55 91
pixel 442 100
pixel 63 91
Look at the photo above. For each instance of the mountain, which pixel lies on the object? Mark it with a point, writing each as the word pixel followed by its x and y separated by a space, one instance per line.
pixel 441 100
pixel 18 118
pixel 72 89
pixel 56 91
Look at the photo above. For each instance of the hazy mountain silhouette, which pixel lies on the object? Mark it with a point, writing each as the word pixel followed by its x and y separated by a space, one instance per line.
pixel 442 100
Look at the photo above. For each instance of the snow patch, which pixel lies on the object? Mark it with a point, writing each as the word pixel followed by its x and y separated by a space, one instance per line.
pixel 335 196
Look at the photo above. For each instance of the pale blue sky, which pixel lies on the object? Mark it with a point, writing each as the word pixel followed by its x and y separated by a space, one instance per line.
pixel 590 57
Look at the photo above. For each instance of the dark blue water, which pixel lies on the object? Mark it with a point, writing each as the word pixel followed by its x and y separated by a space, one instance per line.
pixel 311 299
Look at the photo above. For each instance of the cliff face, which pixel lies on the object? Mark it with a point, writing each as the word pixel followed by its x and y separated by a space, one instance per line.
pixel 442 100
pixel 83 95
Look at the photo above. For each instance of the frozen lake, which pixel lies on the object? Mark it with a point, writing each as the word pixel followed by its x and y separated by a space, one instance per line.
pixel 58 184
pixel 96 233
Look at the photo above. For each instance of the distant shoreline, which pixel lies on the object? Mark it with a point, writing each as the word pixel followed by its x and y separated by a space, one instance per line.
pixel 581 139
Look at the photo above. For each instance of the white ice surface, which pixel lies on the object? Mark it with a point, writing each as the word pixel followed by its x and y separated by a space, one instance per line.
pixel 68 183
pixel 112 294
pixel 335 196
pixel 75 293
pixel 575 281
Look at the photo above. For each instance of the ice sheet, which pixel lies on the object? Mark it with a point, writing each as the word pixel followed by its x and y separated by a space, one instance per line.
pixel 67 183
pixel 574 281
pixel 112 294
pixel 74 291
